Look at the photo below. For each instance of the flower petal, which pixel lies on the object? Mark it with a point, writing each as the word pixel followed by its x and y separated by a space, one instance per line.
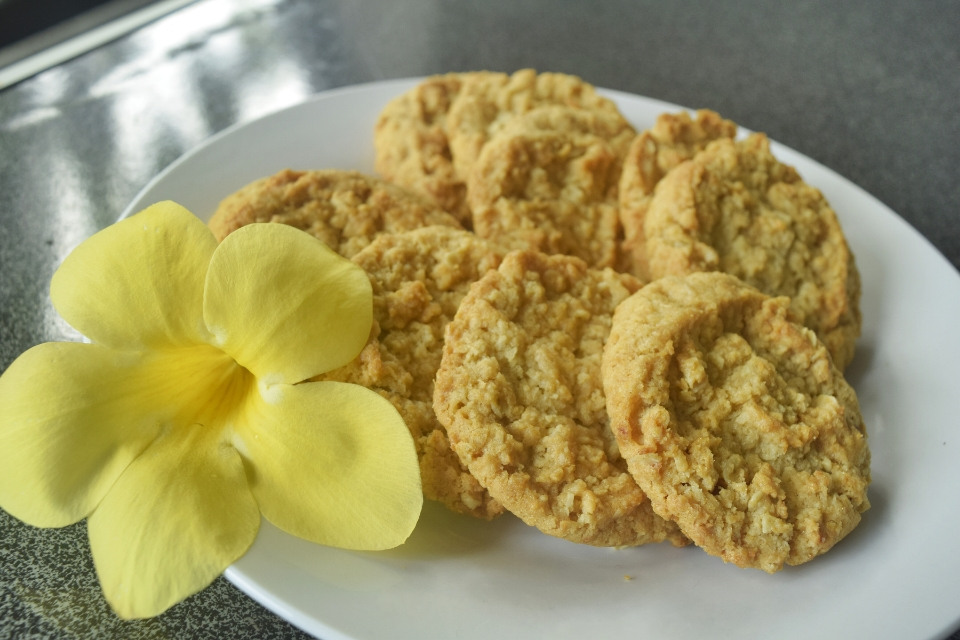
pixel 284 305
pixel 70 422
pixel 333 463
pixel 179 515
pixel 139 282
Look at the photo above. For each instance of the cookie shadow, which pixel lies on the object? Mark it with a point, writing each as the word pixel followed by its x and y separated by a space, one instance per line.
pixel 861 365
pixel 441 532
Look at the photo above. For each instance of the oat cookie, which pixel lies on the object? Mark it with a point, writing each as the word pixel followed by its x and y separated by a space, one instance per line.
pixel 673 139
pixel 345 209
pixel 520 394
pixel 735 421
pixel 411 145
pixel 419 278
pixel 735 208
pixel 488 100
pixel 609 126
pixel 548 181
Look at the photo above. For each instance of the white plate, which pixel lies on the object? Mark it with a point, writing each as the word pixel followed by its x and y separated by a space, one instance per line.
pixel 896 576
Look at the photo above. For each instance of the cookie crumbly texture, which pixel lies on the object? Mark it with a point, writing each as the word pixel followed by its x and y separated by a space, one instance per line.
pixel 411 145
pixel 735 208
pixel 735 421
pixel 419 278
pixel 673 139
pixel 489 101
pixel 345 209
pixel 548 181
pixel 520 395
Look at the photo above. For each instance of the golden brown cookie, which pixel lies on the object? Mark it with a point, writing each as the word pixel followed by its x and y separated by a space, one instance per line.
pixel 489 100
pixel 419 278
pixel 412 150
pixel 520 394
pixel 673 139
pixel 607 125
pixel 547 180
pixel 345 209
pixel 735 421
pixel 735 208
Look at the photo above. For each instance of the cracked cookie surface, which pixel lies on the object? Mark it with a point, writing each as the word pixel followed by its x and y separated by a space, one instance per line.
pixel 673 139
pixel 347 210
pixel 412 148
pixel 520 394
pixel 548 181
pixel 488 101
pixel 734 420
pixel 735 208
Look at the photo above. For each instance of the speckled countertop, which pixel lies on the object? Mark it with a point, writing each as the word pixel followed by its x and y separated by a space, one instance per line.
pixel 869 89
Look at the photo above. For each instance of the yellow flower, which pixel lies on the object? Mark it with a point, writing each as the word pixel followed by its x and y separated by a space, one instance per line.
pixel 187 416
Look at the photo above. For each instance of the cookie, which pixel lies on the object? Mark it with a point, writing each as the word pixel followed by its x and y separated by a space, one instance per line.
pixel 607 125
pixel 345 209
pixel 735 208
pixel 735 421
pixel 547 181
pixel 673 139
pixel 411 145
pixel 520 395
pixel 419 278
pixel 488 100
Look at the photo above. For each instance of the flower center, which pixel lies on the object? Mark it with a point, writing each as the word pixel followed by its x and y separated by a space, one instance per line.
pixel 207 387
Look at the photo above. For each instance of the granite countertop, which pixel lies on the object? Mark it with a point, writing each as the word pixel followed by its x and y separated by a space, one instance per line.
pixel 869 89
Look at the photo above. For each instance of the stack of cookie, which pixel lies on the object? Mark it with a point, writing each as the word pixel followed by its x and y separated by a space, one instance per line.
pixel 619 337
pixel 530 161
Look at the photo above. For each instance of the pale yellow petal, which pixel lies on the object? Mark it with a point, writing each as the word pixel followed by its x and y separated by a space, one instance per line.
pixel 179 515
pixel 284 305
pixel 70 422
pixel 139 282
pixel 333 463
